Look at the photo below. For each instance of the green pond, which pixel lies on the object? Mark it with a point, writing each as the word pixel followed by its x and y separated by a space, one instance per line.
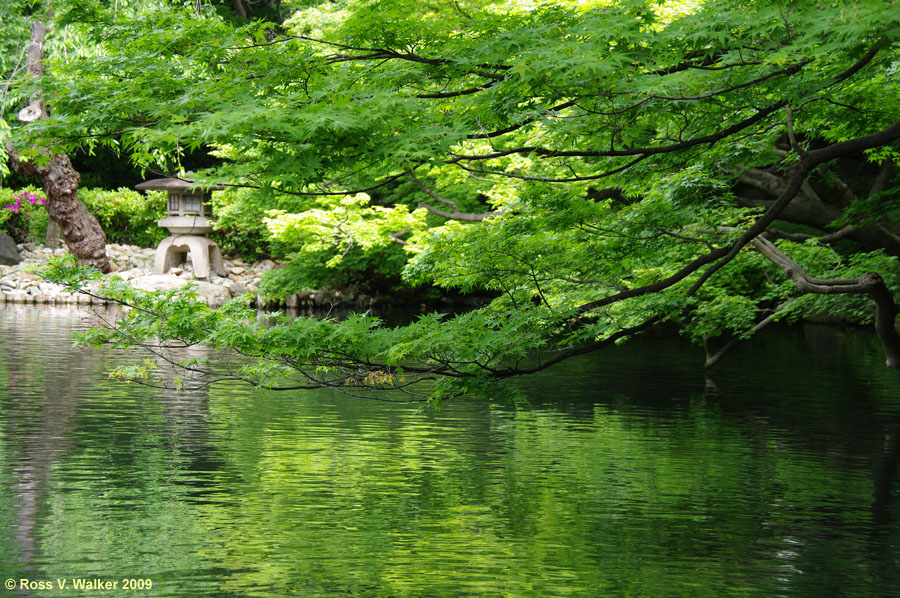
pixel 631 472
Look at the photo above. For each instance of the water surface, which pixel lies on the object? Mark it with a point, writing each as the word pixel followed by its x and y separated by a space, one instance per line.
pixel 630 473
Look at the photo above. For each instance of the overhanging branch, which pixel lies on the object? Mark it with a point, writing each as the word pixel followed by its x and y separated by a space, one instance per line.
pixel 870 284
pixel 456 214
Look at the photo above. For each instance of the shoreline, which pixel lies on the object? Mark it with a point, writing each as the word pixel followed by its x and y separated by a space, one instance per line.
pixel 130 263
pixel 135 265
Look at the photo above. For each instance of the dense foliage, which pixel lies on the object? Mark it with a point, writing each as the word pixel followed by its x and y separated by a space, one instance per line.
pixel 343 243
pixel 606 167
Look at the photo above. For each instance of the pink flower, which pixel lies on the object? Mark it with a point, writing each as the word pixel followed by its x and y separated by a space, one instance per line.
pixel 32 198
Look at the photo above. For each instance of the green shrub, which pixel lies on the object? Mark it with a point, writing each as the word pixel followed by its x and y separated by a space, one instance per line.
pixel 126 216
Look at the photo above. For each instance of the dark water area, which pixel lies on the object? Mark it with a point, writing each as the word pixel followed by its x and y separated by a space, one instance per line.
pixel 630 472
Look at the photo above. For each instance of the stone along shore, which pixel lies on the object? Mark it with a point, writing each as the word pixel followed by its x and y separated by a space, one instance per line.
pixel 132 264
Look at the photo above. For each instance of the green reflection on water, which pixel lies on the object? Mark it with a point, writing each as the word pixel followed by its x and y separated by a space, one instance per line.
pixel 629 475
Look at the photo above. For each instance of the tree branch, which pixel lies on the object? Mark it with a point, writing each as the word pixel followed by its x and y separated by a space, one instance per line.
pixel 574 179
pixel 395 237
pixel 790 131
pixel 803 237
pixel 455 94
pixel 712 360
pixel 639 151
pixel 456 214
pixel 885 173
pixel 711 94
pixel 870 284
pixel 515 127
pixel 793 183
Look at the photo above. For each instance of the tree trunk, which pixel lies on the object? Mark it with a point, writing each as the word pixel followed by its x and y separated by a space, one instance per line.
pixel 82 233
pixel 239 8
pixel 808 208
pixel 52 238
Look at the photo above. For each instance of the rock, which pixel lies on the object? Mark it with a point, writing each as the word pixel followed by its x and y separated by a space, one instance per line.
pixel 237 270
pixel 176 271
pixel 9 255
pixel 236 289
pixel 323 297
pixel 132 273
pixel 213 294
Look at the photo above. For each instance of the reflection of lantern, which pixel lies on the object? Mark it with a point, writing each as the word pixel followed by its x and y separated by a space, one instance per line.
pixel 189 218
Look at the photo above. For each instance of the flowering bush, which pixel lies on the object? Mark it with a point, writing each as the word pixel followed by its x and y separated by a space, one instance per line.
pixel 25 196
pixel 22 216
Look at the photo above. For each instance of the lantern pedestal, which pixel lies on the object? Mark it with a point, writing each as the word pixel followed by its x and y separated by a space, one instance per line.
pixel 204 254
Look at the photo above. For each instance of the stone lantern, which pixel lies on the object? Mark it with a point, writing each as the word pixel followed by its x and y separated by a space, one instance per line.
pixel 189 219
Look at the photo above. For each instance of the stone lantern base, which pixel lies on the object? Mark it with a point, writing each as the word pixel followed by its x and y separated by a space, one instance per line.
pixel 204 253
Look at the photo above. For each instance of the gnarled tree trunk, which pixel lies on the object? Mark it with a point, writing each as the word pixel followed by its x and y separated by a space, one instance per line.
pixel 82 233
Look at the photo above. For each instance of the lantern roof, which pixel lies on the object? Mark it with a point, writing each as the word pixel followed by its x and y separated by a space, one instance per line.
pixel 175 184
